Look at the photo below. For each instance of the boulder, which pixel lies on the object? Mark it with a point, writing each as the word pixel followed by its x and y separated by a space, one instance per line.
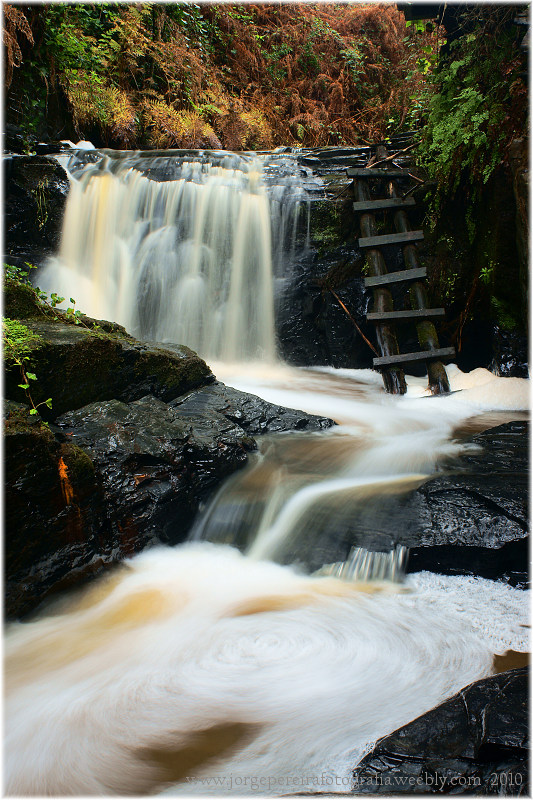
pixel 155 464
pixel 77 364
pixel 475 743
pixel 106 481
pixel 54 512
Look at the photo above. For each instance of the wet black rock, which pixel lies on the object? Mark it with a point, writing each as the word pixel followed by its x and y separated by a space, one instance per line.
pixel 104 482
pixel 312 326
pixel 476 521
pixel 472 519
pixel 76 365
pixel 54 512
pixel 36 189
pixel 484 502
pixel 156 465
pixel 475 743
pixel 510 353
pixel 253 415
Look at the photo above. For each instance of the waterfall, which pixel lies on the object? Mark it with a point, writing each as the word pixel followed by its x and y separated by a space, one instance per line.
pixel 180 250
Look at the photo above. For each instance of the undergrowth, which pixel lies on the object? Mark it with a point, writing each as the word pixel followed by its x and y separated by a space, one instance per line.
pixel 477 106
pixel 213 75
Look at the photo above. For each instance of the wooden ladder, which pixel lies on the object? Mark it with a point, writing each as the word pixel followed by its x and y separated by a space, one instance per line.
pixel 384 316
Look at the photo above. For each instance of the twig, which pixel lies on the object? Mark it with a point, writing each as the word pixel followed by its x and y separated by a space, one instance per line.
pixel 337 298
pixel 464 315
pixel 418 186
pixel 393 156
pixel 349 186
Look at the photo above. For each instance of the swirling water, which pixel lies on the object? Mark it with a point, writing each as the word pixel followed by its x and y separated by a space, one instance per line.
pixel 202 670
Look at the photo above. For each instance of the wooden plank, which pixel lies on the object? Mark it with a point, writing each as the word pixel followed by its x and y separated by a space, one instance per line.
pixel 419 313
pixel 391 238
pixel 396 277
pixel 424 355
pixel 386 202
pixel 362 172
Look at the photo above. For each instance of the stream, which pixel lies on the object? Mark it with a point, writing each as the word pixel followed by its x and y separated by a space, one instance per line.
pixel 264 655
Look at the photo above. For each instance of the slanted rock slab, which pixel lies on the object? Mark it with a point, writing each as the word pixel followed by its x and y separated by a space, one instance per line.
pixel 475 743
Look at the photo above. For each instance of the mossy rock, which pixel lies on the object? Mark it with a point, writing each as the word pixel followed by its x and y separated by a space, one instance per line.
pixel 76 366
pixel 20 301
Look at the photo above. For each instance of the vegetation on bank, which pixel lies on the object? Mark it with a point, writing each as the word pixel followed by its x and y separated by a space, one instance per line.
pixel 476 104
pixel 475 107
pixel 213 75
pixel 245 76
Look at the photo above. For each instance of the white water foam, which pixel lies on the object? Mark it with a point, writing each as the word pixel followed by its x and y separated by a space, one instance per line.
pixel 286 675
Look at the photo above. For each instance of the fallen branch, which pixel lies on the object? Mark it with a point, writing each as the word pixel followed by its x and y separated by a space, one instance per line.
pixel 337 298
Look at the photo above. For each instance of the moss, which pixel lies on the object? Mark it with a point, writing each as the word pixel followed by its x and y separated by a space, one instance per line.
pixel 20 300
pixel 325 224
pixel 79 464
pixel 18 421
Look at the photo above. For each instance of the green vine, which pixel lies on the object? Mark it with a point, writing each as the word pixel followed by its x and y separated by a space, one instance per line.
pixel 18 343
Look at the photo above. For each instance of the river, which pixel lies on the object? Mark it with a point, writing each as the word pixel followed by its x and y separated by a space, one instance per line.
pixel 258 657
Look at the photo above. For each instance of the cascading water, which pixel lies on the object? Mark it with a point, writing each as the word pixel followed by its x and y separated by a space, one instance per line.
pixel 186 259
pixel 200 669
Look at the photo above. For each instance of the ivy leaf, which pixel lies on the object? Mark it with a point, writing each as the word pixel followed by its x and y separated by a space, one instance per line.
pixel 31 376
pixel 24 386
pixel 33 411
pixel 48 403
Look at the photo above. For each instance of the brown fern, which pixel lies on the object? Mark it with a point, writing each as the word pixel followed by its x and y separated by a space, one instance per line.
pixel 14 22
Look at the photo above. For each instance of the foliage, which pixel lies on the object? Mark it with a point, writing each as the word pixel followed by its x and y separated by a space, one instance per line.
pixel 47 304
pixel 478 104
pixel 238 76
pixel 475 102
pixel 18 342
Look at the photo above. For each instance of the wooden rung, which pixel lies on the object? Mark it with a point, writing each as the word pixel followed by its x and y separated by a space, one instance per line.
pixel 419 313
pixel 391 238
pixel 424 355
pixel 396 277
pixel 361 172
pixel 386 202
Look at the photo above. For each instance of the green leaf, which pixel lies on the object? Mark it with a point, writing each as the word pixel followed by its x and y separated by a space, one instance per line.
pixel 48 403
pixel 31 376
pixel 33 411
pixel 24 386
